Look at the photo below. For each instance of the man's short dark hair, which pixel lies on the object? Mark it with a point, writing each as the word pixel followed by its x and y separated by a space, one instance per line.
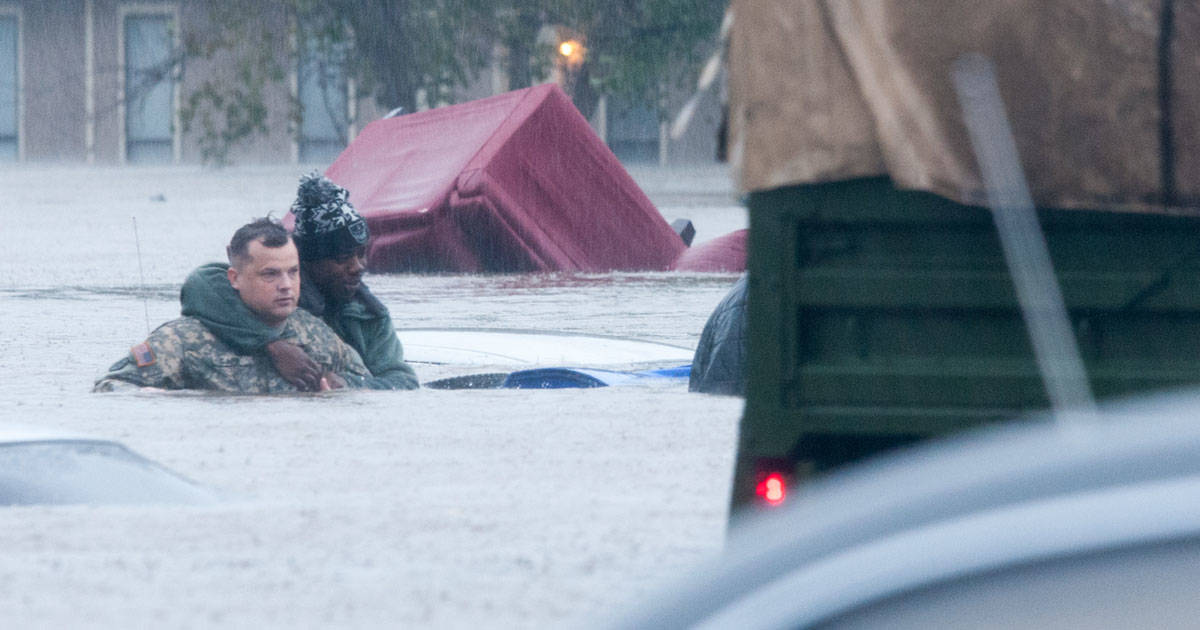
pixel 268 230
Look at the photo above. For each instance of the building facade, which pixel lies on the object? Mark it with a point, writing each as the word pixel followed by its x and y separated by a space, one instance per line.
pixel 102 82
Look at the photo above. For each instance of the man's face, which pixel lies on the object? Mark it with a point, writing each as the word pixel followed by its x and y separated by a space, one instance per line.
pixel 339 278
pixel 268 281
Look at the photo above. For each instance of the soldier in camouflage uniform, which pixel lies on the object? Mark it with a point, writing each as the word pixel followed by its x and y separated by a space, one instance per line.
pixel 332 238
pixel 184 354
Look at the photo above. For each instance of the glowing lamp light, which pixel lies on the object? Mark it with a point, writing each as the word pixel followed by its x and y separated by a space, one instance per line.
pixel 572 52
pixel 772 489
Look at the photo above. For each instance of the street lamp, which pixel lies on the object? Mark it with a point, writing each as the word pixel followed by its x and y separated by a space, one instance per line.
pixel 571 52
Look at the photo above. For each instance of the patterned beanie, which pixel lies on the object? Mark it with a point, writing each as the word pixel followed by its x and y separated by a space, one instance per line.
pixel 327 225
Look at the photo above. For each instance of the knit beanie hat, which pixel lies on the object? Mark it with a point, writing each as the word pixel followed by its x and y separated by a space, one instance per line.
pixel 327 225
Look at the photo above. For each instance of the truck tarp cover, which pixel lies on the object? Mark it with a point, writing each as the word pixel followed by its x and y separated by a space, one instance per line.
pixel 1101 95
pixel 515 182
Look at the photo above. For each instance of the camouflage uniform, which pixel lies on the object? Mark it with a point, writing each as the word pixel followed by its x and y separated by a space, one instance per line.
pixel 184 354
pixel 363 322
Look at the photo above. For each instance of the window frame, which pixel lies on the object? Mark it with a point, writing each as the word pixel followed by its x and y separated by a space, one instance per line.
pixel 171 12
pixel 9 11
pixel 294 91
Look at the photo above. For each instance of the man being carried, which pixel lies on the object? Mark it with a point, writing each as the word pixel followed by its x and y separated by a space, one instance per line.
pixel 265 278
pixel 332 238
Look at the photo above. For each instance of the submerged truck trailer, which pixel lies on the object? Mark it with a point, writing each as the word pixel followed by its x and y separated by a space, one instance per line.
pixel 881 310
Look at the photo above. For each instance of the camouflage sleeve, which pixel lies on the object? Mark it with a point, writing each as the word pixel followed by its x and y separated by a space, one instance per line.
pixel 324 346
pixel 156 362
pixel 349 365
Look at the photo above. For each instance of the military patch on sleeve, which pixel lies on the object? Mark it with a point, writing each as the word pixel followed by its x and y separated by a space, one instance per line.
pixel 143 354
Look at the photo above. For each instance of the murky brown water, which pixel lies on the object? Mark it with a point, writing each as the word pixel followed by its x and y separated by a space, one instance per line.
pixel 442 508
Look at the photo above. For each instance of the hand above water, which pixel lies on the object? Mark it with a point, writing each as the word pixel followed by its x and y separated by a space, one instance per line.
pixel 331 381
pixel 295 366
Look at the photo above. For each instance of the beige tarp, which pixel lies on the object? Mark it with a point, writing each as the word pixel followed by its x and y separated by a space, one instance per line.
pixel 827 90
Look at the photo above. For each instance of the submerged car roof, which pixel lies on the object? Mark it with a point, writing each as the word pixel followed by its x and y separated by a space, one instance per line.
pixel 11 432
pixel 45 466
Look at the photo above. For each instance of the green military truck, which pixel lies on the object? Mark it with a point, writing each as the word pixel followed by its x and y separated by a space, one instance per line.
pixel 881 309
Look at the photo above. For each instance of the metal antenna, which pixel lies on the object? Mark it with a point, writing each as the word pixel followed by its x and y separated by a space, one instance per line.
pixel 141 275
pixel 1023 242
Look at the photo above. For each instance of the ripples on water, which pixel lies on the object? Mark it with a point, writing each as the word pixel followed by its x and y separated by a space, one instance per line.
pixel 78 286
pixel 461 507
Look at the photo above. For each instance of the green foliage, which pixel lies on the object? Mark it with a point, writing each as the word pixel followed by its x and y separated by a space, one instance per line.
pixel 640 50
pixel 393 49
pixel 220 112
pixel 656 48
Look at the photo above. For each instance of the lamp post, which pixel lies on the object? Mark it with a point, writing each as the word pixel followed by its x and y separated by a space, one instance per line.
pixel 571 63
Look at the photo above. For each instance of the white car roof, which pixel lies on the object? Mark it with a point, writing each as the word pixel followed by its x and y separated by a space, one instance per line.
pixel 14 433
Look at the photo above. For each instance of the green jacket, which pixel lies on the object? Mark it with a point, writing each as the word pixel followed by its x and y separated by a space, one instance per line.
pixel 184 354
pixel 363 323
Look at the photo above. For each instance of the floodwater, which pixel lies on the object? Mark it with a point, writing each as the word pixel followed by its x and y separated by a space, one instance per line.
pixel 437 508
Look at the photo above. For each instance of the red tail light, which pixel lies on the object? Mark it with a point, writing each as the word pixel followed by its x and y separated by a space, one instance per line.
pixel 772 489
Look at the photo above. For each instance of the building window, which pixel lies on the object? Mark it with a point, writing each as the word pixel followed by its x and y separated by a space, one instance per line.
pixel 9 94
pixel 633 132
pixel 149 89
pixel 323 93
